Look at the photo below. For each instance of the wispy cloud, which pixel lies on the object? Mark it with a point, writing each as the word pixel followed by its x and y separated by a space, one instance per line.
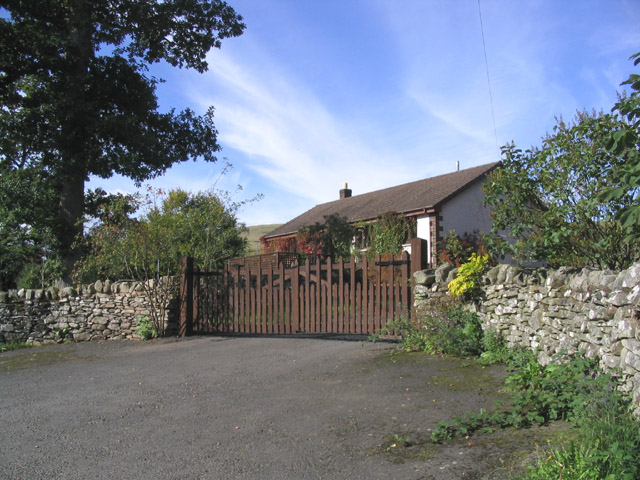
pixel 377 93
pixel 288 135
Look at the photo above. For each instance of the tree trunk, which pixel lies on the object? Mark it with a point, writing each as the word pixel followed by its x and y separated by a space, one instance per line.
pixel 76 132
pixel 70 211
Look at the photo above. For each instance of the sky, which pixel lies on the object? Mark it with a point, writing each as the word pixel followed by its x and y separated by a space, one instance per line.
pixel 378 93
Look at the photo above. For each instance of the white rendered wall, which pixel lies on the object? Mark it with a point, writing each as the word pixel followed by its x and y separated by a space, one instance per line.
pixel 465 213
pixel 423 231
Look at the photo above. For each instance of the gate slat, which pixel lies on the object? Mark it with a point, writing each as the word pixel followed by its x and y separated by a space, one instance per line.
pixel 352 295
pixel 281 315
pixel 295 297
pixel 307 284
pixel 310 298
pixel 330 315
pixel 358 308
pixel 405 301
pixel 378 299
pixel 365 296
pixel 247 304
pixel 270 293
pixel 340 301
pixel 392 289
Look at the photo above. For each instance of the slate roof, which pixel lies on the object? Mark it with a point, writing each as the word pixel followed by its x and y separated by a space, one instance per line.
pixel 410 197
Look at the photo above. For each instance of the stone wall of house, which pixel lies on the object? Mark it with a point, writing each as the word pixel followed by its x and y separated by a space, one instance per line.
pixel 99 311
pixel 563 311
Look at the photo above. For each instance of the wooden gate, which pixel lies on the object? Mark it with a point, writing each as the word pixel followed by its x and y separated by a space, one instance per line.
pixel 311 296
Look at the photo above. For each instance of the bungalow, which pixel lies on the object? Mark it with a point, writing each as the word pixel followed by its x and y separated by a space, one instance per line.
pixel 453 201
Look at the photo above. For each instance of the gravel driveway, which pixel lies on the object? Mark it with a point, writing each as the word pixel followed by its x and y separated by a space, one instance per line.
pixel 234 408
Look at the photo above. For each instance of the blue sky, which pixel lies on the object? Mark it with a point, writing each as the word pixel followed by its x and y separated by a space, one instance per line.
pixel 382 92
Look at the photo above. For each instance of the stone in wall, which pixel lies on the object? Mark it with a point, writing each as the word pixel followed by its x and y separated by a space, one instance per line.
pixel 558 312
pixel 103 310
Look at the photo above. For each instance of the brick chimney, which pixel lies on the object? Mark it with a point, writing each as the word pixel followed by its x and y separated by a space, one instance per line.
pixel 345 192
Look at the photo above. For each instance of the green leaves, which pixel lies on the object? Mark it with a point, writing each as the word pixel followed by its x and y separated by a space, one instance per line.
pixel 172 225
pixel 625 177
pixel 388 233
pixel 562 202
pixel 76 96
pixel 28 247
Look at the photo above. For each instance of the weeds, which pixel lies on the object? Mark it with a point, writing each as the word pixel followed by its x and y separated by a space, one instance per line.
pixel 145 328
pixel 608 438
pixel 445 328
pixel 607 441
pixel 398 441
pixel 15 345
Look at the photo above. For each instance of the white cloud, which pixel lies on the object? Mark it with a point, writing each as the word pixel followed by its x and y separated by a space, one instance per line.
pixel 377 93
pixel 288 136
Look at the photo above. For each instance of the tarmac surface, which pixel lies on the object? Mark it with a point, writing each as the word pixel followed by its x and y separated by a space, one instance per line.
pixel 237 408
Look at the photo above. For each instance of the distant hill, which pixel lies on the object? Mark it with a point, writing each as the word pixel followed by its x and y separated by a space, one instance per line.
pixel 254 234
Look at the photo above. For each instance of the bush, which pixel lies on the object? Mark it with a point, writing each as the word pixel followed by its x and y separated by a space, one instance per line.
pixel 15 345
pixel 467 281
pixel 456 250
pixel 494 348
pixel 569 201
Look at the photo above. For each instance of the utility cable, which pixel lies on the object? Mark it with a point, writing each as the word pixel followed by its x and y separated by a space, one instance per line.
pixel 486 64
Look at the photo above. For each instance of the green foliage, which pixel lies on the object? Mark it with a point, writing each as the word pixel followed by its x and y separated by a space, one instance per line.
pixel 548 199
pixel 146 329
pixel 570 391
pixel 467 281
pixel 412 337
pixel 201 225
pixel 40 275
pixel 608 442
pixel 575 462
pixel 77 99
pixel 625 143
pixel 28 246
pixel 388 233
pixel 15 345
pixel 445 328
pixel 494 348
pixel 397 441
pixel 332 238
pixel 148 248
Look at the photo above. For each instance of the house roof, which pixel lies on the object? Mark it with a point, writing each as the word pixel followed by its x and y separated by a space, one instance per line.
pixel 411 197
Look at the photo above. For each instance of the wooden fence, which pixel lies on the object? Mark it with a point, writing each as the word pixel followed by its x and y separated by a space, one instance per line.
pixel 313 296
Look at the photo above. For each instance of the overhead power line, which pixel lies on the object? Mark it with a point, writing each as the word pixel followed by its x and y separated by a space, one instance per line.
pixel 486 64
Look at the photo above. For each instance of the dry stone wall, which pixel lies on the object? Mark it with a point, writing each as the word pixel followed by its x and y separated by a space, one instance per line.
pixel 564 311
pixel 99 311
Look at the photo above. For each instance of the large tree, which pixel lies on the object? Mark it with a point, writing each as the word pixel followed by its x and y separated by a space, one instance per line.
pixel 77 98
pixel 548 199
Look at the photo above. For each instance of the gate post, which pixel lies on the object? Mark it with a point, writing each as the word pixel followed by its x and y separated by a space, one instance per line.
pixel 419 253
pixel 186 297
